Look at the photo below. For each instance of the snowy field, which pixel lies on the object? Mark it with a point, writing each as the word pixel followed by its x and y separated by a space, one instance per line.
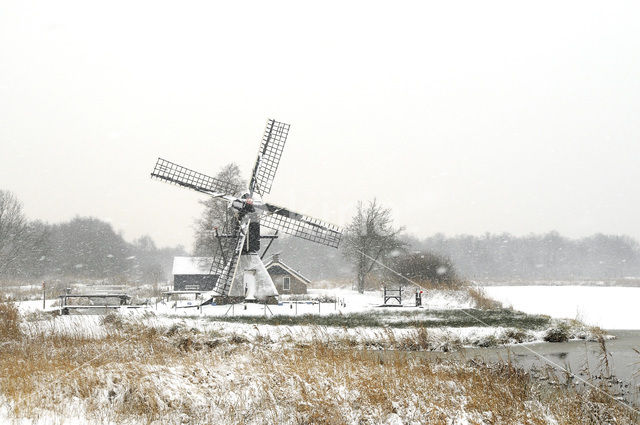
pixel 346 301
pixel 186 314
pixel 353 317
pixel 606 307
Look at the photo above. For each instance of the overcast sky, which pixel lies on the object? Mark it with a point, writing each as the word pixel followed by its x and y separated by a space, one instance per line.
pixel 463 117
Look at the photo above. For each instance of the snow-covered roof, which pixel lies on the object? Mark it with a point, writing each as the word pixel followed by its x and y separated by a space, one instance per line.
pixel 192 265
pixel 278 262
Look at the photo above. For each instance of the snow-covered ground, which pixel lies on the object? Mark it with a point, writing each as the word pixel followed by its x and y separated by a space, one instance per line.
pixel 347 301
pixel 606 307
pixel 185 313
pixel 247 343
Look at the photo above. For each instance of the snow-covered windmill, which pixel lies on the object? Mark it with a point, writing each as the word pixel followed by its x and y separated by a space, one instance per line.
pixel 236 262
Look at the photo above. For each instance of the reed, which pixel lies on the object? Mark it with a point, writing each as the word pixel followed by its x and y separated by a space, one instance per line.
pixel 133 373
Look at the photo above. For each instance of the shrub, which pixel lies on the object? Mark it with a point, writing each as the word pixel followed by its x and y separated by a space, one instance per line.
pixel 323 298
pixel 425 267
pixel 517 336
pixel 9 322
pixel 557 334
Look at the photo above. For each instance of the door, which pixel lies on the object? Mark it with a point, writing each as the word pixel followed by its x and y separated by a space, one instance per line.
pixel 249 278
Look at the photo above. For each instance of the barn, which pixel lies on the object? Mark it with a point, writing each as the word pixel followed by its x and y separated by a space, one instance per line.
pixel 286 279
pixel 192 274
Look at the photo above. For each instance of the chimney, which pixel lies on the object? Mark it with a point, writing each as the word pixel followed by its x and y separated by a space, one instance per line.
pixel 276 258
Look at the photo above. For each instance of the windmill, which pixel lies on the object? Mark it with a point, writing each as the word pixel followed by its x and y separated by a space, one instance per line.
pixel 236 263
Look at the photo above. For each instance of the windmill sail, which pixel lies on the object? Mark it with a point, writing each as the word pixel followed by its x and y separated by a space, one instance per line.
pixel 301 226
pixel 182 176
pixel 273 140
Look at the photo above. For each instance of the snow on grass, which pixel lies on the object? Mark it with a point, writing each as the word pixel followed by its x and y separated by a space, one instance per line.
pixel 244 382
pixel 137 366
pixel 352 320
pixel 76 326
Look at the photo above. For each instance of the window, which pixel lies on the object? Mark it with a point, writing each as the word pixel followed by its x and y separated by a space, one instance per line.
pixel 286 283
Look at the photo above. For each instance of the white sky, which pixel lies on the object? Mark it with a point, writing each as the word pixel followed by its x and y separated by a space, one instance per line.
pixel 462 117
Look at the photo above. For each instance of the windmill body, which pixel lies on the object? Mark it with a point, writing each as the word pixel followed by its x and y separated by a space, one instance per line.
pixel 237 262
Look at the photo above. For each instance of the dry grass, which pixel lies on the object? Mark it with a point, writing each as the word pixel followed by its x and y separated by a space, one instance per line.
pixel 481 299
pixel 9 322
pixel 179 375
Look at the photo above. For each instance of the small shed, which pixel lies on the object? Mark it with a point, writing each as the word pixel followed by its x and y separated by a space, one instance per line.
pixel 192 274
pixel 286 279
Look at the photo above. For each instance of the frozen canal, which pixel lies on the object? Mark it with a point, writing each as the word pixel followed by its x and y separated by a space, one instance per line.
pixel 611 308
pixel 606 307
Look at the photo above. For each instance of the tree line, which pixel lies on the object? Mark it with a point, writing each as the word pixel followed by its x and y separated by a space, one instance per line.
pixel 374 251
pixel 82 248
pixel 545 256
pixel 373 244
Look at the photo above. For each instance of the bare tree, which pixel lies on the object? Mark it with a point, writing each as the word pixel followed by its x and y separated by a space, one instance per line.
pixel 216 213
pixel 369 238
pixel 14 229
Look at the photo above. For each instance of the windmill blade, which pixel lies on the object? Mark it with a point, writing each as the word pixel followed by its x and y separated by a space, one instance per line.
pixel 185 177
pixel 275 136
pixel 301 226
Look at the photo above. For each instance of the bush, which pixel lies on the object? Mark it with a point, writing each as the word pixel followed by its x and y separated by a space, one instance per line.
pixel 517 336
pixel 558 334
pixel 323 298
pixel 9 322
pixel 425 267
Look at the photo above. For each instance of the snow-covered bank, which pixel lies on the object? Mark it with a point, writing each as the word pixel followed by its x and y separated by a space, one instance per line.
pixel 606 307
pixel 175 370
pixel 353 319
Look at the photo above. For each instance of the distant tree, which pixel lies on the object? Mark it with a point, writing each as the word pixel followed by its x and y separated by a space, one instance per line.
pixel 370 238
pixel 89 248
pixel 13 228
pixel 144 243
pixel 34 259
pixel 423 267
pixel 544 256
pixel 314 261
pixel 84 247
pixel 154 274
pixel 216 213
pixel 153 264
pixel 19 238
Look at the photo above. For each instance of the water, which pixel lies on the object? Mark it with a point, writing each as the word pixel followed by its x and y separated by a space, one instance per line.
pixel 576 356
pixel 611 308
pixel 622 378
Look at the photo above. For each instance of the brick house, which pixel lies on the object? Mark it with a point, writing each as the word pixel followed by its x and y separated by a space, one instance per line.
pixel 286 279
